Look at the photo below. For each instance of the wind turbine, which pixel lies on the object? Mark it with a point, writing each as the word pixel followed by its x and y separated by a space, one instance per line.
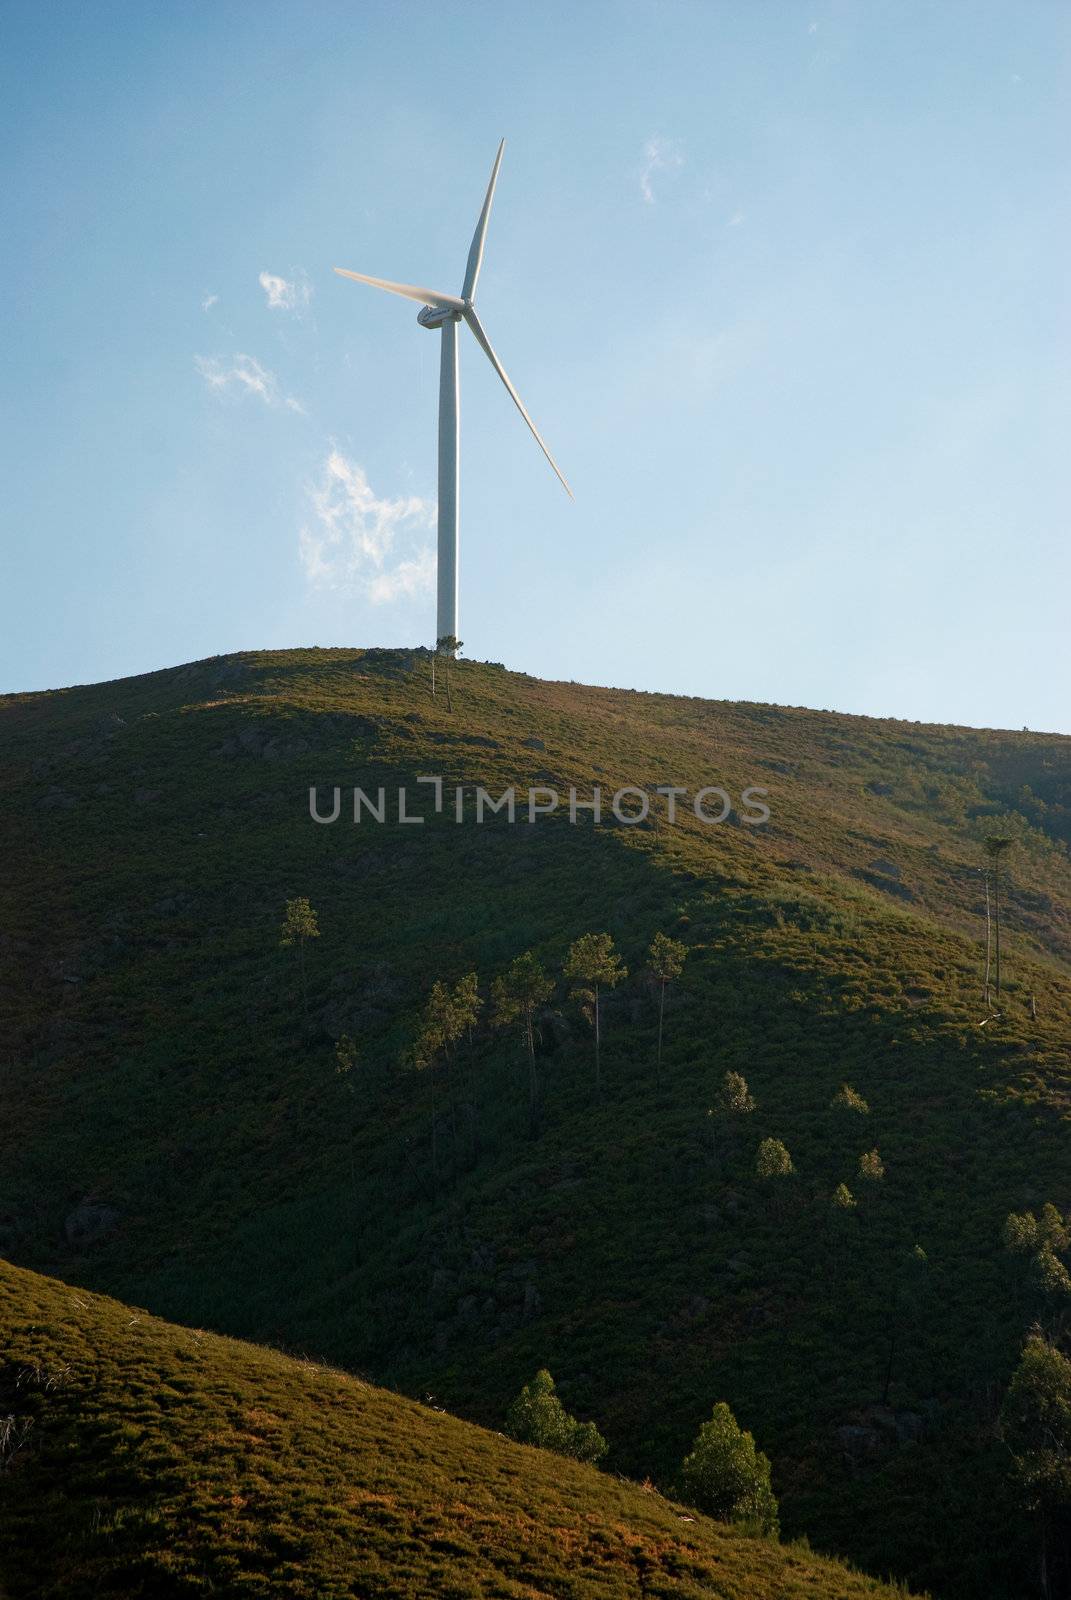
pixel 445 311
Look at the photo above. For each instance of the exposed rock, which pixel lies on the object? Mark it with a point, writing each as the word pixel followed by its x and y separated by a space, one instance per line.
pixel 888 869
pixel 90 1223
pixel 878 1431
pixel 284 749
pixel 533 744
pixel 875 787
pixel 858 1443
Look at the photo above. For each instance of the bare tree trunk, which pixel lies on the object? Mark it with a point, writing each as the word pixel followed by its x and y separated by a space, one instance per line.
pixel 996 909
pixel 598 1062
pixel 661 1013
pixel 532 1085
pixel 1044 1564
pixel 988 939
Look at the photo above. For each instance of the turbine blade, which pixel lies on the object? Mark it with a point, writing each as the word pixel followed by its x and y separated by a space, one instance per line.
pixel 475 261
pixel 474 323
pixel 411 291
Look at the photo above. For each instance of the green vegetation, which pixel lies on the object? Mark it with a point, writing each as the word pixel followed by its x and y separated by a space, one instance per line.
pixel 159 1463
pixel 177 1132
pixel 725 1475
pixel 773 1160
pixel 538 1417
pixel 299 926
pixel 666 958
pixel 594 965
pixel 847 1099
pixel 1035 1422
pixel 516 996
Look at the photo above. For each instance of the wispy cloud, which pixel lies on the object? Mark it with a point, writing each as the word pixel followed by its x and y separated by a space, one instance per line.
pixel 209 301
pixel 659 155
pixel 735 220
pixel 358 543
pixel 244 375
pixel 286 294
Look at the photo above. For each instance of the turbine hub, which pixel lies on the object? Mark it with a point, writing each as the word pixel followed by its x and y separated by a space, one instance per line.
pixel 435 316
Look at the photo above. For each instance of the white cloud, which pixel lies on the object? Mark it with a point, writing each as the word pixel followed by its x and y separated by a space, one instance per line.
pixel 735 220
pixel 659 155
pixel 358 543
pixel 285 294
pixel 243 376
pixel 209 301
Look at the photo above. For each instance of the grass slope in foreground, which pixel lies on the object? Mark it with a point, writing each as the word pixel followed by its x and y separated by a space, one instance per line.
pixel 163 1462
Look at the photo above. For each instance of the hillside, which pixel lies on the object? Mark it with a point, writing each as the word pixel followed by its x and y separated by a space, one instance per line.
pixel 179 1135
pixel 162 1462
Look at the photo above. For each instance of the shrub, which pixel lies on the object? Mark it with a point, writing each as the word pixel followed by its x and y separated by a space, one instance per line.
pixel 871 1166
pixel 847 1099
pixel 773 1160
pixel 538 1417
pixel 726 1476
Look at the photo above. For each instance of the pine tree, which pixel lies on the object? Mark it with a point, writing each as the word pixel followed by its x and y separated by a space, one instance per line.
pixel 593 961
pixel 299 925
pixel 515 997
pixel 666 958
pixel 1035 1424
pixel 447 1015
pixel 995 846
pixel 727 1477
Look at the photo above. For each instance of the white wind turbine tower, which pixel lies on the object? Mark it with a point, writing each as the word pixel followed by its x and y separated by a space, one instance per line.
pixel 445 311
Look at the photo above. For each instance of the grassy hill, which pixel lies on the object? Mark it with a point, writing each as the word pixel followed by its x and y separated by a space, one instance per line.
pixel 178 1135
pixel 162 1462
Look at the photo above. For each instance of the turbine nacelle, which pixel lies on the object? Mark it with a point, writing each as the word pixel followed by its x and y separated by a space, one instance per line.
pixel 435 316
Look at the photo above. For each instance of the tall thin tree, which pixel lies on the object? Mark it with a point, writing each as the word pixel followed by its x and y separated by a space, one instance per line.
pixel 593 961
pixel 666 958
pixel 515 997
pixel 300 925
pixel 995 846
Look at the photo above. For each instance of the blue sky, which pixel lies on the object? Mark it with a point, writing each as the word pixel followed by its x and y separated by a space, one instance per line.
pixel 783 285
